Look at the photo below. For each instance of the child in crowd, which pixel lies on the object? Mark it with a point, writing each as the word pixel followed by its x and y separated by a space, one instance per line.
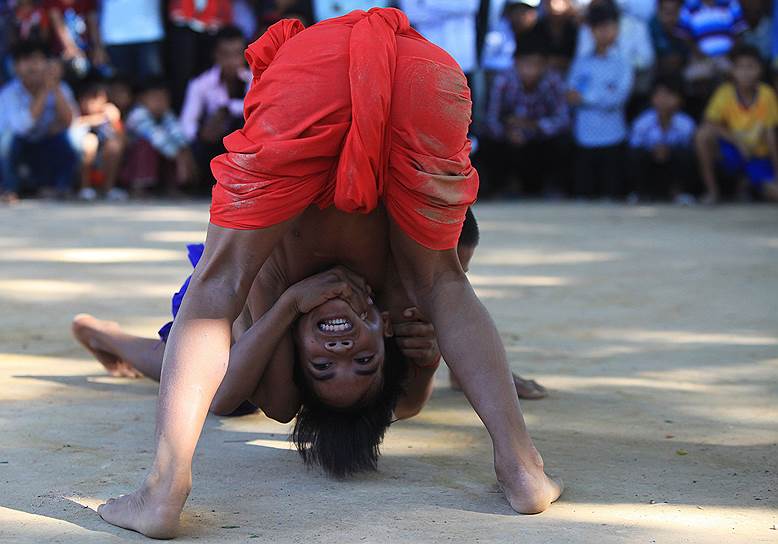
pixel 36 109
pixel 98 135
pixel 75 29
pixel 661 145
pixel 711 28
pixel 213 106
pixel 528 117
pixel 158 144
pixel 739 130
pixel 599 86
pixel 120 94
pixel 670 48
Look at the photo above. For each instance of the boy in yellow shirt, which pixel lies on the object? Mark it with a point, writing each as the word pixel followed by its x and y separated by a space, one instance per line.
pixel 739 129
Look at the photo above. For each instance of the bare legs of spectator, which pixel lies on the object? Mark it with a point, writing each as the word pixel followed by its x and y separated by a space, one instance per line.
pixel 706 145
pixel 111 154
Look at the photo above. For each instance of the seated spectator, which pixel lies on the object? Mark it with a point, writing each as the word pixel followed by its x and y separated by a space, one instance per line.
pixel 36 109
pixel 213 106
pixel 158 154
pixel 739 130
pixel 670 49
pixel 269 12
pixel 528 117
pixel 558 30
pixel 130 37
pixel 75 29
pixel 661 142
pixel 120 93
pixel 711 27
pixel 97 134
pixel 599 86
pixel 194 23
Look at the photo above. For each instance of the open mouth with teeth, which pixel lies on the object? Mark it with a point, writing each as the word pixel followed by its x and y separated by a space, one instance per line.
pixel 335 324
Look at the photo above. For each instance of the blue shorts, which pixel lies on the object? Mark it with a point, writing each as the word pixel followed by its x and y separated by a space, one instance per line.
pixel 758 170
pixel 195 252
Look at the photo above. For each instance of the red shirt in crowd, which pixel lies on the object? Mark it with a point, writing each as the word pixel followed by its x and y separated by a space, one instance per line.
pixel 201 14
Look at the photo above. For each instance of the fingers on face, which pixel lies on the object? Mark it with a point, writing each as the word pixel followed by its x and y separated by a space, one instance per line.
pixel 414 329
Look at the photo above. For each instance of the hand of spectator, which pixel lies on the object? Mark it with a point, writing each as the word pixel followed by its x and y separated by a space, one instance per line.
pixel 71 52
pixel 113 114
pixel 661 153
pixel 416 339
pixel 574 97
pixel 214 127
pixel 100 57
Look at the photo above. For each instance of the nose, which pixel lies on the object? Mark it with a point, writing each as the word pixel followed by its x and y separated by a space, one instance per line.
pixel 339 346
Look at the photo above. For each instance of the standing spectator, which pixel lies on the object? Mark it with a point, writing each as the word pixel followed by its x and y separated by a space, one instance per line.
pixel 599 86
pixel 158 150
pixel 36 109
pixel 660 143
pixel 739 130
pixel 557 28
pixel 449 24
pixel 75 28
pixel 670 49
pixel 633 44
pixel 214 101
pixel 193 26
pixel 97 134
pixel 131 35
pixel 711 28
pixel 528 116
pixel 327 9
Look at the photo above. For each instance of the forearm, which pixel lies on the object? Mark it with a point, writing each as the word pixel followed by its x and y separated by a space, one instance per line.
pixel 418 389
pixel 63 109
pixel 251 354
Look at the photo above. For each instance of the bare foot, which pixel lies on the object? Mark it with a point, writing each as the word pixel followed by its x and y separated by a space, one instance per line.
pixel 527 487
pixel 153 510
pixel 525 389
pixel 91 332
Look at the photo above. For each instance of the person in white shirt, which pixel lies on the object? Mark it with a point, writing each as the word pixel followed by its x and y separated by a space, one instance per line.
pixel 213 106
pixel 131 34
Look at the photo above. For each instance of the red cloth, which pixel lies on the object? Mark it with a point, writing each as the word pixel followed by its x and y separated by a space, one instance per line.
pixel 215 14
pixel 348 112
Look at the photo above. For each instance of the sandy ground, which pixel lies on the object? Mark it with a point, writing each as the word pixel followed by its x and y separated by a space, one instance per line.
pixel 654 328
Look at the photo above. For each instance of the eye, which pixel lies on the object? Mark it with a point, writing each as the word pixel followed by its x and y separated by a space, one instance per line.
pixel 364 360
pixel 321 366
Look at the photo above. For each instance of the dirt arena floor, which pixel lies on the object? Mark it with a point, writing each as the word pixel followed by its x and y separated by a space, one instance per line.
pixel 655 328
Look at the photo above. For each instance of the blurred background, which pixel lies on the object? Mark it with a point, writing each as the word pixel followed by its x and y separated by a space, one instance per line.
pixel 629 101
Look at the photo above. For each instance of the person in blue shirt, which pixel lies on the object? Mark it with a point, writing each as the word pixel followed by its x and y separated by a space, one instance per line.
pixel 36 110
pixel 599 86
pixel 661 145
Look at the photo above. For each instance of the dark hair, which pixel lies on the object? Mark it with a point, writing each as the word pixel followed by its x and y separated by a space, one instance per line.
pixel 157 83
pixel 470 235
pixel 28 48
pixel 228 33
pixel 91 85
pixel 670 82
pixel 346 441
pixel 745 50
pixel 528 44
pixel 603 11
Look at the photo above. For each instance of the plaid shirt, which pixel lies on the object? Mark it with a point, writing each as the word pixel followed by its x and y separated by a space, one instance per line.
pixel 165 134
pixel 546 105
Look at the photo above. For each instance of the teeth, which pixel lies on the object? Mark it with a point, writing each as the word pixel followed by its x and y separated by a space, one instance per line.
pixel 338 324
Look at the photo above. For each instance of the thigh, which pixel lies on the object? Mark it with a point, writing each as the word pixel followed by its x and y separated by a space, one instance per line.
pixel 431 181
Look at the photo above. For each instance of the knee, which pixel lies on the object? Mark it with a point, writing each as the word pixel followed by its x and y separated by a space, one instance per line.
pixel 705 136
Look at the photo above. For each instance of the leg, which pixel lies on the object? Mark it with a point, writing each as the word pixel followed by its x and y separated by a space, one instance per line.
pixel 706 144
pixel 112 155
pixel 195 363
pixel 584 176
pixel 472 348
pixel 89 147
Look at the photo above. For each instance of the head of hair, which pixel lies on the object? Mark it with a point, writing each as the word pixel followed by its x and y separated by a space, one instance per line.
pixel 91 85
pixel 228 33
pixel 28 48
pixel 470 235
pixel 156 83
pixel 670 82
pixel 745 50
pixel 529 44
pixel 602 11
pixel 347 441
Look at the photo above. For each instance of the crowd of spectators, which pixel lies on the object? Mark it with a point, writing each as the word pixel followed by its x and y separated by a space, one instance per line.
pixel 619 99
